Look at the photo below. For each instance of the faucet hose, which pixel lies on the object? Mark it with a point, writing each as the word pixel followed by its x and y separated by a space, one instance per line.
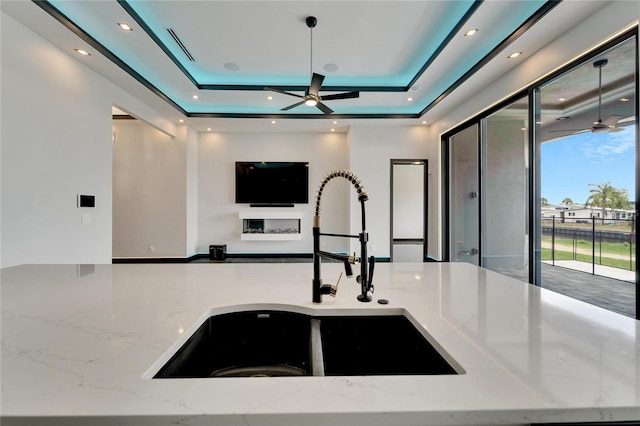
pixel 357 184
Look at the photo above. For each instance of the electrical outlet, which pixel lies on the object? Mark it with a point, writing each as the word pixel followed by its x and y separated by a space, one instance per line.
pixel 152 249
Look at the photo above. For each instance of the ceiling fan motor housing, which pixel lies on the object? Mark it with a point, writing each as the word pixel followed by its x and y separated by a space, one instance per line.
pixel 311 21
pixel 600 63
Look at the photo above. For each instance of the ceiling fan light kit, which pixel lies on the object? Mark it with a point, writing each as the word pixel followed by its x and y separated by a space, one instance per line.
pixel 312 96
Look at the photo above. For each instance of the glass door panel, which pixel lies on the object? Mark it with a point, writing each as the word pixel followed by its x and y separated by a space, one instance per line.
pixel 505 237
pixel 587 145
pixel 464 239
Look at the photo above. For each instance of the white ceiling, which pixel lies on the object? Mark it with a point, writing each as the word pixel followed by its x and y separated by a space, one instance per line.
pixel 388 50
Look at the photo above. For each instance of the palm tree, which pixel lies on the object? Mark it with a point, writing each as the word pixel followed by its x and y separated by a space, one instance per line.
pixel 544 201
pixel 605 196
pixel 567 201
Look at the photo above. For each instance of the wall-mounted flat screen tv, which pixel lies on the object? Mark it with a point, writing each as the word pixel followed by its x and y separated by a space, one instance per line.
pixel 272 182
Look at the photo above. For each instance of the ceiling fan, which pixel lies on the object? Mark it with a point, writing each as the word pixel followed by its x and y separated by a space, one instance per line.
pixel 599 126
pixel 311 96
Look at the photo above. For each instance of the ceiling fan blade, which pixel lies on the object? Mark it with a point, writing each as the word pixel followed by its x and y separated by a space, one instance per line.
pixel 292 106
pixel 569 130
pixel 322 107
pixel 612 120
pixel 346 95
pixel 283 92
pixel 316 83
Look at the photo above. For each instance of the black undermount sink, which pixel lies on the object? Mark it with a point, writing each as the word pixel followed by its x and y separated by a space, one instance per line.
pixel 377 346
pixel 253 343
pixel 271 343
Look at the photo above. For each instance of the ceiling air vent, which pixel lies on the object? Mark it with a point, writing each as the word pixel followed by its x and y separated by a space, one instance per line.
pixel 182 46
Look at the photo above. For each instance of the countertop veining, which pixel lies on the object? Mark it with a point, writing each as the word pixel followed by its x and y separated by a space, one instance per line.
pixel 78 342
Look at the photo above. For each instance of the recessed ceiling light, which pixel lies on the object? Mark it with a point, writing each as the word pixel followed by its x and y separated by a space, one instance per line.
pixel 208 129
pixel 561 99
pixel 424 121
pixel 195 96
pixel 514 55
pixel 181 121
pixel 563 118
pixel 409 99
pixel 335 121
pixel 273 121
pixel 125 26
pixel 333 130
pixel 471 32
pixel 624 99
pixel 270 98
pixel 83 52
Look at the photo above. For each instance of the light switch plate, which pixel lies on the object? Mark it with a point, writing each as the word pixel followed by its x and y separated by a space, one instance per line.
pixel 86 218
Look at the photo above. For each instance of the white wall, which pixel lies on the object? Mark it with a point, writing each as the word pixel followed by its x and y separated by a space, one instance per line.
pixel 218 220
pixel 56 143
pixel 149 191
pixel 366 151
pixel 372 148
pixel 190 137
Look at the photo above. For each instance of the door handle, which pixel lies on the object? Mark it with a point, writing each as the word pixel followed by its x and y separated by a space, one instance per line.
pixel 471 252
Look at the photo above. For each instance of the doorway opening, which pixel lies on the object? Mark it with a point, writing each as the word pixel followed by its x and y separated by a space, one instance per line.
pixel 408 225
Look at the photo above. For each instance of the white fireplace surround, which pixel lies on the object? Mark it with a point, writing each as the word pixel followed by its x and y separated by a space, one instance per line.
pixel 276 220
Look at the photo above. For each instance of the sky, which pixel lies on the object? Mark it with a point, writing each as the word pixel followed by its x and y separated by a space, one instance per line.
pixel 570 164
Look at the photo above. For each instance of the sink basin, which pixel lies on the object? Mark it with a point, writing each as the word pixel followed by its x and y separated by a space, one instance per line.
pixel 276 343
pixel 378 345
pixel 241 344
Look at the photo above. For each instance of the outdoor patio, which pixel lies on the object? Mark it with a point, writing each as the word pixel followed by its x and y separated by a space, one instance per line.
pixel 574 279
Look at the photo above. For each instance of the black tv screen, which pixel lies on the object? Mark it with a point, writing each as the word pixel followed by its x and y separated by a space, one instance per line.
pixel 272 182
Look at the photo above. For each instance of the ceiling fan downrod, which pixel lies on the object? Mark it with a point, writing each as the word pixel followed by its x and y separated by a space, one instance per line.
pixel 311 21
pixel 599 64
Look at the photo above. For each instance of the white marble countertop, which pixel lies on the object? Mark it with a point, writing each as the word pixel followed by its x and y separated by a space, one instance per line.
pixel 78 339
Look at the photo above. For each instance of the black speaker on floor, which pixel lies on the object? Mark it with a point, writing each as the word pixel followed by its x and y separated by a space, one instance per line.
pixel 218 252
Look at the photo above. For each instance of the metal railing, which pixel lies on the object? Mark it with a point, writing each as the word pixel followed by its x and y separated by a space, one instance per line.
pixel 599 241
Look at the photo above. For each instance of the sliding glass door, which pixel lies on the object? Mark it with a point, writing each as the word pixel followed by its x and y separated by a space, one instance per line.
pixel 505 194
pixel 464 195
pixel 544 187
pixel 586 143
